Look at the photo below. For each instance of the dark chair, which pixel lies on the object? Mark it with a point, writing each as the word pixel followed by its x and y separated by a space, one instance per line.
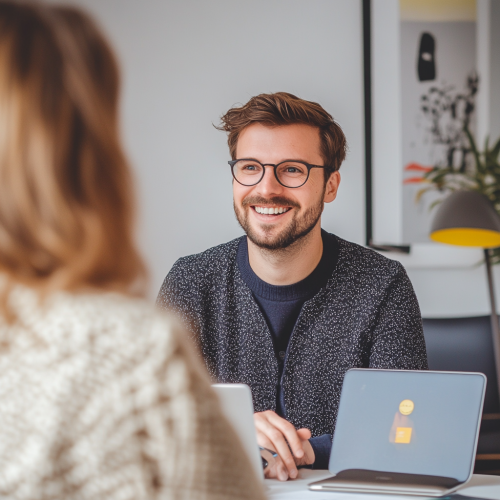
pixel 465 344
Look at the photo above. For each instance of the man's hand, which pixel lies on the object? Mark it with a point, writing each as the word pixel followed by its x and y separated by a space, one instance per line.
pixel 292 445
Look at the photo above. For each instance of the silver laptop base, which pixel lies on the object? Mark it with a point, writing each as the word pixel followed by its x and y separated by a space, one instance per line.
pixel 363 481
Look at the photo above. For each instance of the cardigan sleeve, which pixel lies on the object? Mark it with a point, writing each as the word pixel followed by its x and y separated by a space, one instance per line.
pixel 179 295
pixel 397 335
pixel 175 288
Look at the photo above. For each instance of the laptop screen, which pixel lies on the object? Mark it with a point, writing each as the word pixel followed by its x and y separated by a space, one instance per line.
pixel 408 422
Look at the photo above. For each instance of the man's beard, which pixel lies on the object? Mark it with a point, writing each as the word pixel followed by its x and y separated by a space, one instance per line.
pixel 297 228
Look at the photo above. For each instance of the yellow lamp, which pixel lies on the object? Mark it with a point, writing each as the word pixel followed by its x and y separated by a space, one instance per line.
pixel 467 218
pixel 467 237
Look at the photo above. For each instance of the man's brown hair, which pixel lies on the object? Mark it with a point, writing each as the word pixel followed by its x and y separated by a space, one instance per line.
pixel 67 207
pixel 281 108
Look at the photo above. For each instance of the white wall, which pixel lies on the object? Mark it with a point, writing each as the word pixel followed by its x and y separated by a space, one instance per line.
pixel 185 63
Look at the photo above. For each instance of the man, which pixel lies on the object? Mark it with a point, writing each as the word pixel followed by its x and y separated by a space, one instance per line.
pixel 289 308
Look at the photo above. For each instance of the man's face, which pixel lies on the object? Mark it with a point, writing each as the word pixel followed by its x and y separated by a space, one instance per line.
pixel 301 207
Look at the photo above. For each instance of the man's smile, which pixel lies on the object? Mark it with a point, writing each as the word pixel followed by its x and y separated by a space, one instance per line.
pixel 260 209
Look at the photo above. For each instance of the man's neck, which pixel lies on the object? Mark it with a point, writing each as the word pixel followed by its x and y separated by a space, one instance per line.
pixel 289 265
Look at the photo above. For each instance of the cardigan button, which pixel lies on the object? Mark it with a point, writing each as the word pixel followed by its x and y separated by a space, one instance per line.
pixel 282 354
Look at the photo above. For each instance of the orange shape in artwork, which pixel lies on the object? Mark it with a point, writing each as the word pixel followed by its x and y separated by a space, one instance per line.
pixel 416 167
pixel 413 180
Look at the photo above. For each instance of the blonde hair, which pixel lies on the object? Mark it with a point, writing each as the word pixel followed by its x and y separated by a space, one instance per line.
pixel 66 202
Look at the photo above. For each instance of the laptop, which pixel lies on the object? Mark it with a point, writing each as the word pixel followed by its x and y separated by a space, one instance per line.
pixel 237 405
pixel 405 432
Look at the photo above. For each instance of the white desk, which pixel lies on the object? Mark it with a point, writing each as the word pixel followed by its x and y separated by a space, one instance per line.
pixel 478 486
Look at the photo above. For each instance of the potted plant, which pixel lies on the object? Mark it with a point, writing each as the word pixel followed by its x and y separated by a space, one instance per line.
pixel 481 174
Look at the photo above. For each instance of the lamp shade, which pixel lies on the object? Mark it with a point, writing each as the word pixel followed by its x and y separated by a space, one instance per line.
pixel 466 218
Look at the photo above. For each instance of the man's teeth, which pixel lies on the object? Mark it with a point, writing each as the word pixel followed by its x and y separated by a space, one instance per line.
pixel 271 210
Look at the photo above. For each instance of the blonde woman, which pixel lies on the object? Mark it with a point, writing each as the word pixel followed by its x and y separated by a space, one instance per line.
pixel 100 397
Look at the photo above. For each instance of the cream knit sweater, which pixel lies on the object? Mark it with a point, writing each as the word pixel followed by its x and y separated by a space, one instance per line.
pixel 101 397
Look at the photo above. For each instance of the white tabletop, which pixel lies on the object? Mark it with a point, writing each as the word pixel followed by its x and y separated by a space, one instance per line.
pixel 478 486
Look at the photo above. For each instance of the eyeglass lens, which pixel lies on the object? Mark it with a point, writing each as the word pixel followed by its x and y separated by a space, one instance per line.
pixel 290 174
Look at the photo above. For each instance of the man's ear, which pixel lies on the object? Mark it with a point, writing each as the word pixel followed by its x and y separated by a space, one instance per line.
pixel 332 186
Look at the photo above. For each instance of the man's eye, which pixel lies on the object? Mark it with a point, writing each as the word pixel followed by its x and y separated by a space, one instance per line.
pixel 293 170
pixel 250 167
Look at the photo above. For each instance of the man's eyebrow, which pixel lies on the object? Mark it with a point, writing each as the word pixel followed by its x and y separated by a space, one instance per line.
pixel 295 159
pixel 282 161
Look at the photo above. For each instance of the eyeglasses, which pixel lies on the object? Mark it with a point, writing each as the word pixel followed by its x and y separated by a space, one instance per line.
pixel 289 173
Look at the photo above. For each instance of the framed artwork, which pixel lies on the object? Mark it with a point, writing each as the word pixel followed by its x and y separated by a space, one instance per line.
pixel 425 71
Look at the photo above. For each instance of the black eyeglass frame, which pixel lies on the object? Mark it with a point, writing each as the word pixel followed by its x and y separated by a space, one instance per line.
pixel 275 166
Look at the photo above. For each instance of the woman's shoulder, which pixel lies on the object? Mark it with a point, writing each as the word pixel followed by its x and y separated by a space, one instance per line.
pixel 105 324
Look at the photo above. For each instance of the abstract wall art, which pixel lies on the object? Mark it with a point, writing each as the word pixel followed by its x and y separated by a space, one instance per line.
pixel 438 91
pixel 421 91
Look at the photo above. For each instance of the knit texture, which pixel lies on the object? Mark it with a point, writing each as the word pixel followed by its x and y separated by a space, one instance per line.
pixel 366 315
pixel 101 398
pixel 281 305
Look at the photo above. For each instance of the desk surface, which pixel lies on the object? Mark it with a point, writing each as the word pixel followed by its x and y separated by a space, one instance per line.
pixel 478 486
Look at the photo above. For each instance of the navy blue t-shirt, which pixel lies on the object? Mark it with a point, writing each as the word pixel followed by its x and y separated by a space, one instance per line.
pixel 281 306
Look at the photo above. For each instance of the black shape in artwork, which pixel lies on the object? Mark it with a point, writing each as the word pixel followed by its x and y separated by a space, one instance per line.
pixel 426 58
pixel 450 113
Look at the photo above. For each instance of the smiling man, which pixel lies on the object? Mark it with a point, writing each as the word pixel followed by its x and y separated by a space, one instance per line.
pixel 289 308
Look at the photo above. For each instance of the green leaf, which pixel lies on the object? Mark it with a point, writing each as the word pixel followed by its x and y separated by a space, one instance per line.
pixel 434 204
pixel 473 148
pixel 421 192
pixel 495 150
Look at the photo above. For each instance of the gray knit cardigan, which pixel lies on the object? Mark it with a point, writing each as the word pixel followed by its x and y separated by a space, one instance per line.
pixel 366 315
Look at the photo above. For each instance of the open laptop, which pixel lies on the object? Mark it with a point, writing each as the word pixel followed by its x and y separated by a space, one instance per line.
pixel 237 405
pixel 405 432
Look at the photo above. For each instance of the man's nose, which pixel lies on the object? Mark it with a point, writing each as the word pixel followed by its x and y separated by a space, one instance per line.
pixel 269 184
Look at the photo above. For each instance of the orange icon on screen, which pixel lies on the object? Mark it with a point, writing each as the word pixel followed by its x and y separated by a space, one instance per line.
pixel 403 435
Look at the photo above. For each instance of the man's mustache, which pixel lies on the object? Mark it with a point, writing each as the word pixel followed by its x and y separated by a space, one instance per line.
pixel 276 201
